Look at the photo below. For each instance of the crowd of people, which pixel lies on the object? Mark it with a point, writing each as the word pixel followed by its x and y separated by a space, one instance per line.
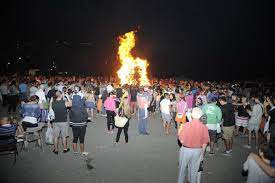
pixel 202 114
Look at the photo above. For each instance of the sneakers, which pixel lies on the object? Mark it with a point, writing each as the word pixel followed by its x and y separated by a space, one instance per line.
pixel 110 131
pixel 84 153
pixel 55 152
pixel 66 150
pixel 211 153
pixel 227 153
pixel 247 146
pixel 19 140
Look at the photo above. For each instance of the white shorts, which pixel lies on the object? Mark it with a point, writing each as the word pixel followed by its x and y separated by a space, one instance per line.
pixel 241 121
pixel 166 117
pixel 253 127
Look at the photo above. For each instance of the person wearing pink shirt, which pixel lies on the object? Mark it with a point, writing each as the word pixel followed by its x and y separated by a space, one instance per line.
pixel 110 107
pixel 189 100
pixel 181 108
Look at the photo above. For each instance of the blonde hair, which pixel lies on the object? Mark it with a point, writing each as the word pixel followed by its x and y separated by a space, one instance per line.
pixel 196 113
pixel 126 108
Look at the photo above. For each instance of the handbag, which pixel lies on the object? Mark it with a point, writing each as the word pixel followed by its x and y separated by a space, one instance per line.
pixel 120 121
pixel 49 137
pixel 51 115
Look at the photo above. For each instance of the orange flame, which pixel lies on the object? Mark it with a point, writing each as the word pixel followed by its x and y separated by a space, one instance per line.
pixel 129 64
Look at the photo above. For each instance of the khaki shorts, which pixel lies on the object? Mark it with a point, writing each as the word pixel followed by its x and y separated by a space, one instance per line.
pixel 61 128
pixel 228 132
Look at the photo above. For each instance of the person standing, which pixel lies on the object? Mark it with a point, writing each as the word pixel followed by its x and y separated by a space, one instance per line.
pixel 133 99
pixel 125 111
pixel 192 149
pixel 228 124
pixel 165 108
pixel 60 124
pixel 181 108
pixel 23 91
pixel 33 89
pixel 78 117
pixel 90 103
pixel 110 106
pixel 4 91
pixel 13 98
pixel 214 116
pixel 254 121
pixel 142 104
pixel 42 103
pixel 242 116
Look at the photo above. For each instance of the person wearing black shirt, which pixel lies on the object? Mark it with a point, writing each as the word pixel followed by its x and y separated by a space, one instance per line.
pixel 133 99
pixel 242 117
pixel 228 124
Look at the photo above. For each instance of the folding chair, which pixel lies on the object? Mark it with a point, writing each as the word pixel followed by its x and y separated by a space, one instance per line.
pixel 33 134
pixel 8 145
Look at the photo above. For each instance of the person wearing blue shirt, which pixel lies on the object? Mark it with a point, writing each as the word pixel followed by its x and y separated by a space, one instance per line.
pixel 23 91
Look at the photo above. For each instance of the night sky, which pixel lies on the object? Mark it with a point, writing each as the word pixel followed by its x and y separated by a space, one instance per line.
pixel 199 39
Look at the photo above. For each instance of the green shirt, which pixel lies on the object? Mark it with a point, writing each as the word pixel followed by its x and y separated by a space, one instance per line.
pixel 213 113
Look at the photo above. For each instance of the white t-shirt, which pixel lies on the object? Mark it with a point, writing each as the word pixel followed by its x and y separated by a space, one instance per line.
pixel 165 106
pixel 33 91
pixel 40 93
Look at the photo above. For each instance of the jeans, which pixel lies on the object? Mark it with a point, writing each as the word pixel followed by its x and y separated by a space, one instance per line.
pixel 103 111
pixel 142 126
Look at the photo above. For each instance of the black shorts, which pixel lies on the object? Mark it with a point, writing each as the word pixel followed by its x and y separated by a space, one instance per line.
pixel 213 135
pixel 79 133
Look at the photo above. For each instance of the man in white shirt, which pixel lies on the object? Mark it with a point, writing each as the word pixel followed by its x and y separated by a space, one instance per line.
pixel 254 121
pixel 33 90
pixel 42 97
pixel 165 108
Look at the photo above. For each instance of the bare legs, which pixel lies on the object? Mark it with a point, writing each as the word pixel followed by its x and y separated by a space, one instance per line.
pixel 250 136
pixel 91 114
pixel 166 127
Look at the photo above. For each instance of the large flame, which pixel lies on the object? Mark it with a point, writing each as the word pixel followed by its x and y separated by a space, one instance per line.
pixel 129 64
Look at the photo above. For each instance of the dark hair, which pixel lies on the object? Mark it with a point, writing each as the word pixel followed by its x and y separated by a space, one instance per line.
pixel 165 95
pixel 223 98
pixel 267 151
pixel 33 98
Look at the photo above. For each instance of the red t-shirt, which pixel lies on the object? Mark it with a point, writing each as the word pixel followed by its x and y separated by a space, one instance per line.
pixel 194 134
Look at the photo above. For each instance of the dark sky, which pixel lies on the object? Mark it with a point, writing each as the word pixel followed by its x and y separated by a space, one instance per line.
pixel 200 39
